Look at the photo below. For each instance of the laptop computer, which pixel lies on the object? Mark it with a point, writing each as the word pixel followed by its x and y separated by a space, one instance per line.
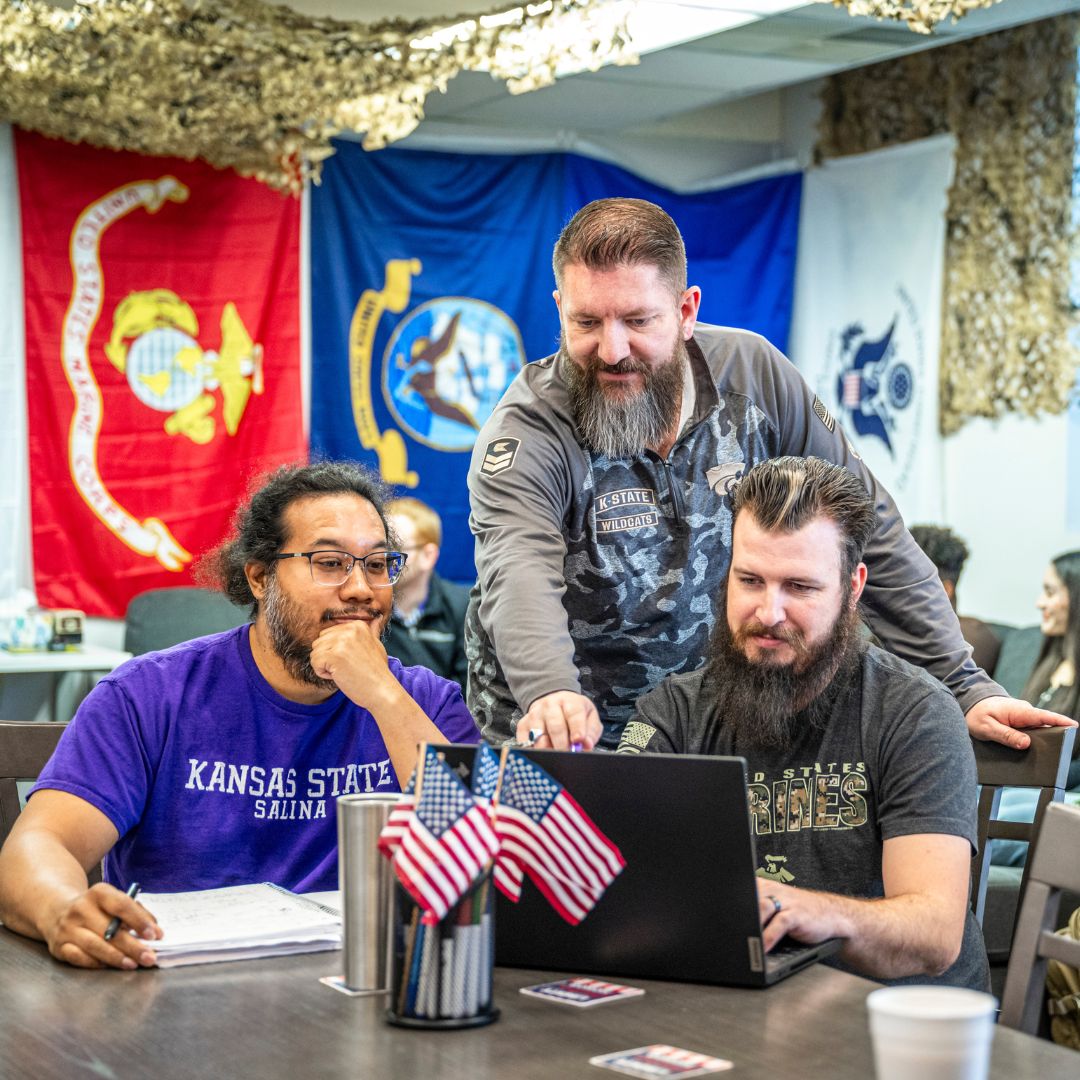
pixel 685 907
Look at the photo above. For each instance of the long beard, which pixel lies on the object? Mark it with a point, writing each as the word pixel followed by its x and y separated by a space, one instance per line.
pixel 617 424
pixel 285 621
pixel 769 706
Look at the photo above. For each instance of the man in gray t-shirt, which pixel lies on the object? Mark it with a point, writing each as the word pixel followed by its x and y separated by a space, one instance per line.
pixel 861 776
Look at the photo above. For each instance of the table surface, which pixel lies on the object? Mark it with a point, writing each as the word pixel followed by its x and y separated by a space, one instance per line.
pixel 87 658
pixel 272 1018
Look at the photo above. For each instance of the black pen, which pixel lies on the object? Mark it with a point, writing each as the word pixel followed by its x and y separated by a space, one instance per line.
pixel 114 923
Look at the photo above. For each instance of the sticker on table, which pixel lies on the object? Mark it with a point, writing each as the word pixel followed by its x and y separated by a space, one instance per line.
pixel 660 1060
pixel 582 992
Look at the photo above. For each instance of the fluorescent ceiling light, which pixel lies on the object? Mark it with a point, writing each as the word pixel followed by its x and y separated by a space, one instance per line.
pixel 660 24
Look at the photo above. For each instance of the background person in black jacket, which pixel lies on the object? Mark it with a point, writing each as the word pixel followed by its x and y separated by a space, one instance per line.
pixel 427 625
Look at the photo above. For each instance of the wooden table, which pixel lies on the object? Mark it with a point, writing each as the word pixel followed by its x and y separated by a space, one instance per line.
pixel 88 658
pixel 272 1018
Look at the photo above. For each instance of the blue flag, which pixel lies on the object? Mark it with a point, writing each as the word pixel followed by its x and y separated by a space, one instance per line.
pixel 431 288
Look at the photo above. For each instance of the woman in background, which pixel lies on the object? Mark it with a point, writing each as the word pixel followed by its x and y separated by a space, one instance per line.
pixel 1053 683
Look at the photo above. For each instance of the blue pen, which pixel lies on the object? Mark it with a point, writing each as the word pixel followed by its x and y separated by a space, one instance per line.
pixel 114 923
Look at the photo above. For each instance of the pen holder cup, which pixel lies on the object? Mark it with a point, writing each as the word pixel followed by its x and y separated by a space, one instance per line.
pixel 441 975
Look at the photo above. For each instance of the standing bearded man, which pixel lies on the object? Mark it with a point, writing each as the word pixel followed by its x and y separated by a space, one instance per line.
pixel 601 510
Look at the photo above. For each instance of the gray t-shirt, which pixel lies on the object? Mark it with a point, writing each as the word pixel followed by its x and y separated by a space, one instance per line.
pixel 892 758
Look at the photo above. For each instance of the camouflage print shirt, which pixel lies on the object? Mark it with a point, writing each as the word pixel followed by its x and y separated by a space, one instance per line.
pixel 602 576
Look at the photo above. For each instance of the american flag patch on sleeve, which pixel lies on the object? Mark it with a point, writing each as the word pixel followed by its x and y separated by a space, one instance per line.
pixel 823 414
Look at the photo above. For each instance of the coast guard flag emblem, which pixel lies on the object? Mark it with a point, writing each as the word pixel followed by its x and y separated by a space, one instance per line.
pixel 499 456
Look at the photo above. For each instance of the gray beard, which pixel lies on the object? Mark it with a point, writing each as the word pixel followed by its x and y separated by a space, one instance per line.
pixel 618 426
pixel 768 706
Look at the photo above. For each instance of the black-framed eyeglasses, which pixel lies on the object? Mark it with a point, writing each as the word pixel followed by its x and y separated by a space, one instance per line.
pixel 381 568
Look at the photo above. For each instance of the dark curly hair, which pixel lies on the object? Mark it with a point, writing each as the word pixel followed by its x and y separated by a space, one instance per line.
pixel 943 548
pixel 259 522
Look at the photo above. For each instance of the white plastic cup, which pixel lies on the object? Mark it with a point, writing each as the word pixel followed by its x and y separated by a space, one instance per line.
pixel 931 1032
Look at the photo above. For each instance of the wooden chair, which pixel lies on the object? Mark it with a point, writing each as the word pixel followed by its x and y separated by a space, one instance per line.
pixel 25 746
pixel 1045 766
pixel 1053 868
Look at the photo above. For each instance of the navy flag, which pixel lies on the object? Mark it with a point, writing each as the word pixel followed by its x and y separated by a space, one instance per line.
pixel 431 288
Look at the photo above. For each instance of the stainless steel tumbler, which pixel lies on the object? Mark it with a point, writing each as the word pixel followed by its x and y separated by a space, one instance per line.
pixel 366 882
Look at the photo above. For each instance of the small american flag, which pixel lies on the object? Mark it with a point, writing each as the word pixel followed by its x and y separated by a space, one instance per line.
pixel 508 873
pixel 540 826
pixel 398 819
pixel 447 844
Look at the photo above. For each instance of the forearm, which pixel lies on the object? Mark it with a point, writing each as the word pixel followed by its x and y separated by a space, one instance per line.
pixel 522 612
pixel 895 937
pixel 39 878
pixel 403 726
pixel 915 622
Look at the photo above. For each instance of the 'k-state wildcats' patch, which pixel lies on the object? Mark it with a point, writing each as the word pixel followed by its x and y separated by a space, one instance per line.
pixel 499 456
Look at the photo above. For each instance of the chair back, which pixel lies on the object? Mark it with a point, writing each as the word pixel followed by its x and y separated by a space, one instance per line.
pixel 25 746
pixel 1053 868
pixel 161 618
pixel 1044 766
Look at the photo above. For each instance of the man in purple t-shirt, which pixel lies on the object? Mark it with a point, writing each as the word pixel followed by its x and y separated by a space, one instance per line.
pixel 218 762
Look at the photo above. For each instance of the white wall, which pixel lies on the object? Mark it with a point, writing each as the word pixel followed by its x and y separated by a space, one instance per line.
pixel 1005 485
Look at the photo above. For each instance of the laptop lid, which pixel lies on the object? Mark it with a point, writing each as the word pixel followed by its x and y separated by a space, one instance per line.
pixel 685 907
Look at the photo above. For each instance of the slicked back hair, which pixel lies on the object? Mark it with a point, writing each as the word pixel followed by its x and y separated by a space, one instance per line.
pixel 610 233
pixel 787 493
pixel 259 523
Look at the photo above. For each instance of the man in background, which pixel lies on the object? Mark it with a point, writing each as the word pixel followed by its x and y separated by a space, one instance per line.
pixel 427 626
pixel 949 553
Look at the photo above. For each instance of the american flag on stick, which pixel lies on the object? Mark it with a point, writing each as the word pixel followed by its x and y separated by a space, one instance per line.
pixel 508 874
pixel 448 842
pixel 541 826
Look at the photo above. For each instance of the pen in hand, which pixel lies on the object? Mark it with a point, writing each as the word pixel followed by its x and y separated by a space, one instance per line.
pixel 114 923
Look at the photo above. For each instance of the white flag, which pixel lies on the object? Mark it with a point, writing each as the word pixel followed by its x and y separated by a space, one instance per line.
pixel 866 330
pixel 14 471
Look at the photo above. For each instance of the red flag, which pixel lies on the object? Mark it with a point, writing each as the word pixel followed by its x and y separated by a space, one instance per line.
pixel 163 362
pixel 539 824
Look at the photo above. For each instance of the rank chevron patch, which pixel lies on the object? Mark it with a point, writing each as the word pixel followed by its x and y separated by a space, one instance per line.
pixel 499 456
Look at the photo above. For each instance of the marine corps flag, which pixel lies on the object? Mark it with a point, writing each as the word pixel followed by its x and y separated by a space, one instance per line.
pixel 162 357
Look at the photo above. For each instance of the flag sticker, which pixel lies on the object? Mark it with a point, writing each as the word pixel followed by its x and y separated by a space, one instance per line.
pixel 661 1060
pixel 499 456
pixel 823 414
pixel 582 993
